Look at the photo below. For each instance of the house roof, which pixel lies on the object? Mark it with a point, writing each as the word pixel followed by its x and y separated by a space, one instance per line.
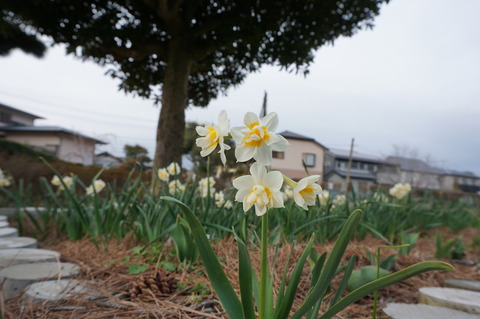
pixel 413 164
pixel 47 129
pixel 15 110
pixel 296 136
pixel 353 174
pixel 345 154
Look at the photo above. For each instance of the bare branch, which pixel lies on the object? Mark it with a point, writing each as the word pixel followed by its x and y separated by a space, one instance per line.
pixel 138 53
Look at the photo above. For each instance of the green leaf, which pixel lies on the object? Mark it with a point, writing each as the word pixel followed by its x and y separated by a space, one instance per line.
pixel 345 280
pixel 287 302
pixel 384 282
pixel 136 269
pixel 364 275
pixel 331 265
pixel 246 282
pixel 215 273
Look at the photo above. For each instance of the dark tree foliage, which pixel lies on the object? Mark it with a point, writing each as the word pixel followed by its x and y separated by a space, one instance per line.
pixel 136 154
pixel 12 37
pixel 187 52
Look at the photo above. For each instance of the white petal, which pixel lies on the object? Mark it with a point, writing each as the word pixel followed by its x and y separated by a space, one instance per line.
pixel 243 182
pixel 258 172
pixel 223 122
pixel 260 210
pixel 201 130
pixel 244 153
pixel 281 144
pixel 274 180
pixel 270 121
pixel 238 134
pixel 250 118
pixel 277 201
pixel 263 154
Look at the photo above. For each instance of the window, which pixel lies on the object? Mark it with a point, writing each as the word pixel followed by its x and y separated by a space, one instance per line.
pixel 309 159
pixel 278 155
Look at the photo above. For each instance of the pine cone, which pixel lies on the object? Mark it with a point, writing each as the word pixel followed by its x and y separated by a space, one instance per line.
pixel 147 286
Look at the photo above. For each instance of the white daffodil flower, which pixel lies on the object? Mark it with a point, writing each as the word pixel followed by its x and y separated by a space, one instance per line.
pixel 261 189
pixel 400 190
pixel 4 181
pixel 219 199
pixel 339 200
pixel 96 186
pixel 163 174
pixel 306 191
pixel 175 186
pixel 204 184
pixel 174 169
pixel 213 135
pixel 56 181
pixel 257 138
pixel 323 197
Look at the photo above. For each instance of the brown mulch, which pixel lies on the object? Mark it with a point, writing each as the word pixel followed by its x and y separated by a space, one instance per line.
pixel 157 293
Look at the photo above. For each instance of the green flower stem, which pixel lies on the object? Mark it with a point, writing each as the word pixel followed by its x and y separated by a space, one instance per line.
pixel 290 182
pixel 263 267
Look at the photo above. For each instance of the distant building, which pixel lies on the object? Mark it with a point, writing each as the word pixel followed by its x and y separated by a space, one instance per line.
pixel 422 175
pixel 363 171
pixel 303 152
pixel 106 159
pixel 67 145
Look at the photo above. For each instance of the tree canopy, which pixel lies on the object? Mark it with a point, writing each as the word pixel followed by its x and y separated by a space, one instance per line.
pixel 187 52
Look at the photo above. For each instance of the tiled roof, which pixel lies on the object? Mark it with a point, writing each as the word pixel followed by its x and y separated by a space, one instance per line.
pixel 12 109
pixel 296 136
pixel 53 129
pixel 345 154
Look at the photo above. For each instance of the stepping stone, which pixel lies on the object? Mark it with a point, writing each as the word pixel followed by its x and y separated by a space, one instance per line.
pixel 54 290
pixel 4 224
pixel 17 242
pixel 473 285
pixel 16 256
pixel 421 311
pixel 3 218
pixel 8 232
pixel 459 299
pixel 17 277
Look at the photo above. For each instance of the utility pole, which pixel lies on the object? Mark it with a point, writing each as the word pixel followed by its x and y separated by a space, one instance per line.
pixel 263 111
pixel 349 167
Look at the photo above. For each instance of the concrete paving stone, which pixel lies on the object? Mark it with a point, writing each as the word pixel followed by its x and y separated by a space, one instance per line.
pixel 422 311
pixel 16 278
pixel 16 256
pixel 473 285
pixel 8 232
pixel 459 299
pixel 3 218
pixel 53 290
pixel 17 242
pixel 4 224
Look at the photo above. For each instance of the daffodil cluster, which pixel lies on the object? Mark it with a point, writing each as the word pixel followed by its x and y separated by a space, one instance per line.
pixel 400 190
pixel 67 181
pixel 96 187
pixel 4 179
pixel 257 139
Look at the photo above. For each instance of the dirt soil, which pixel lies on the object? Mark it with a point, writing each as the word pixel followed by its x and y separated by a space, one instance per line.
pixel 186 292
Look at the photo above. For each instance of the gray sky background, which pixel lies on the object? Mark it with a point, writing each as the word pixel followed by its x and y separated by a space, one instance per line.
pixel 414 81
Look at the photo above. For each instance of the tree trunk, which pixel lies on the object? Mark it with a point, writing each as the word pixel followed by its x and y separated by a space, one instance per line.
pixel 171 123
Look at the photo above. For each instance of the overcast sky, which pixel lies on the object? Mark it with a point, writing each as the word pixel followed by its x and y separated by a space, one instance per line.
pixel 414 81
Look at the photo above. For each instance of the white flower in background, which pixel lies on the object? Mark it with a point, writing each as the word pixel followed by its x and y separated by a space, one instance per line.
pixel 306 191
pixel 204 184
pixel 339 200
pixel 400 190
pixel 379 197
pixel 175 186
pixel 287 193
pixel 257 138
pixel 323 197
pixel 56 181
pixel 213 135
pixel 219 199
pixel 163 174
pixel 4 181
pixel 261 189
pixel 68 180
pixel 96 186
pixel 228 204
pixel 174 169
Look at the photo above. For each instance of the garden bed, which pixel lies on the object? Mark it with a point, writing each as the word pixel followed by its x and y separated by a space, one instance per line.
pixel 173 291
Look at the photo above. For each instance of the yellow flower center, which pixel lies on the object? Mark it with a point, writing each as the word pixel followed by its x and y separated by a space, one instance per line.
pixel 309 190
pixel 213 136
pixel 257 135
